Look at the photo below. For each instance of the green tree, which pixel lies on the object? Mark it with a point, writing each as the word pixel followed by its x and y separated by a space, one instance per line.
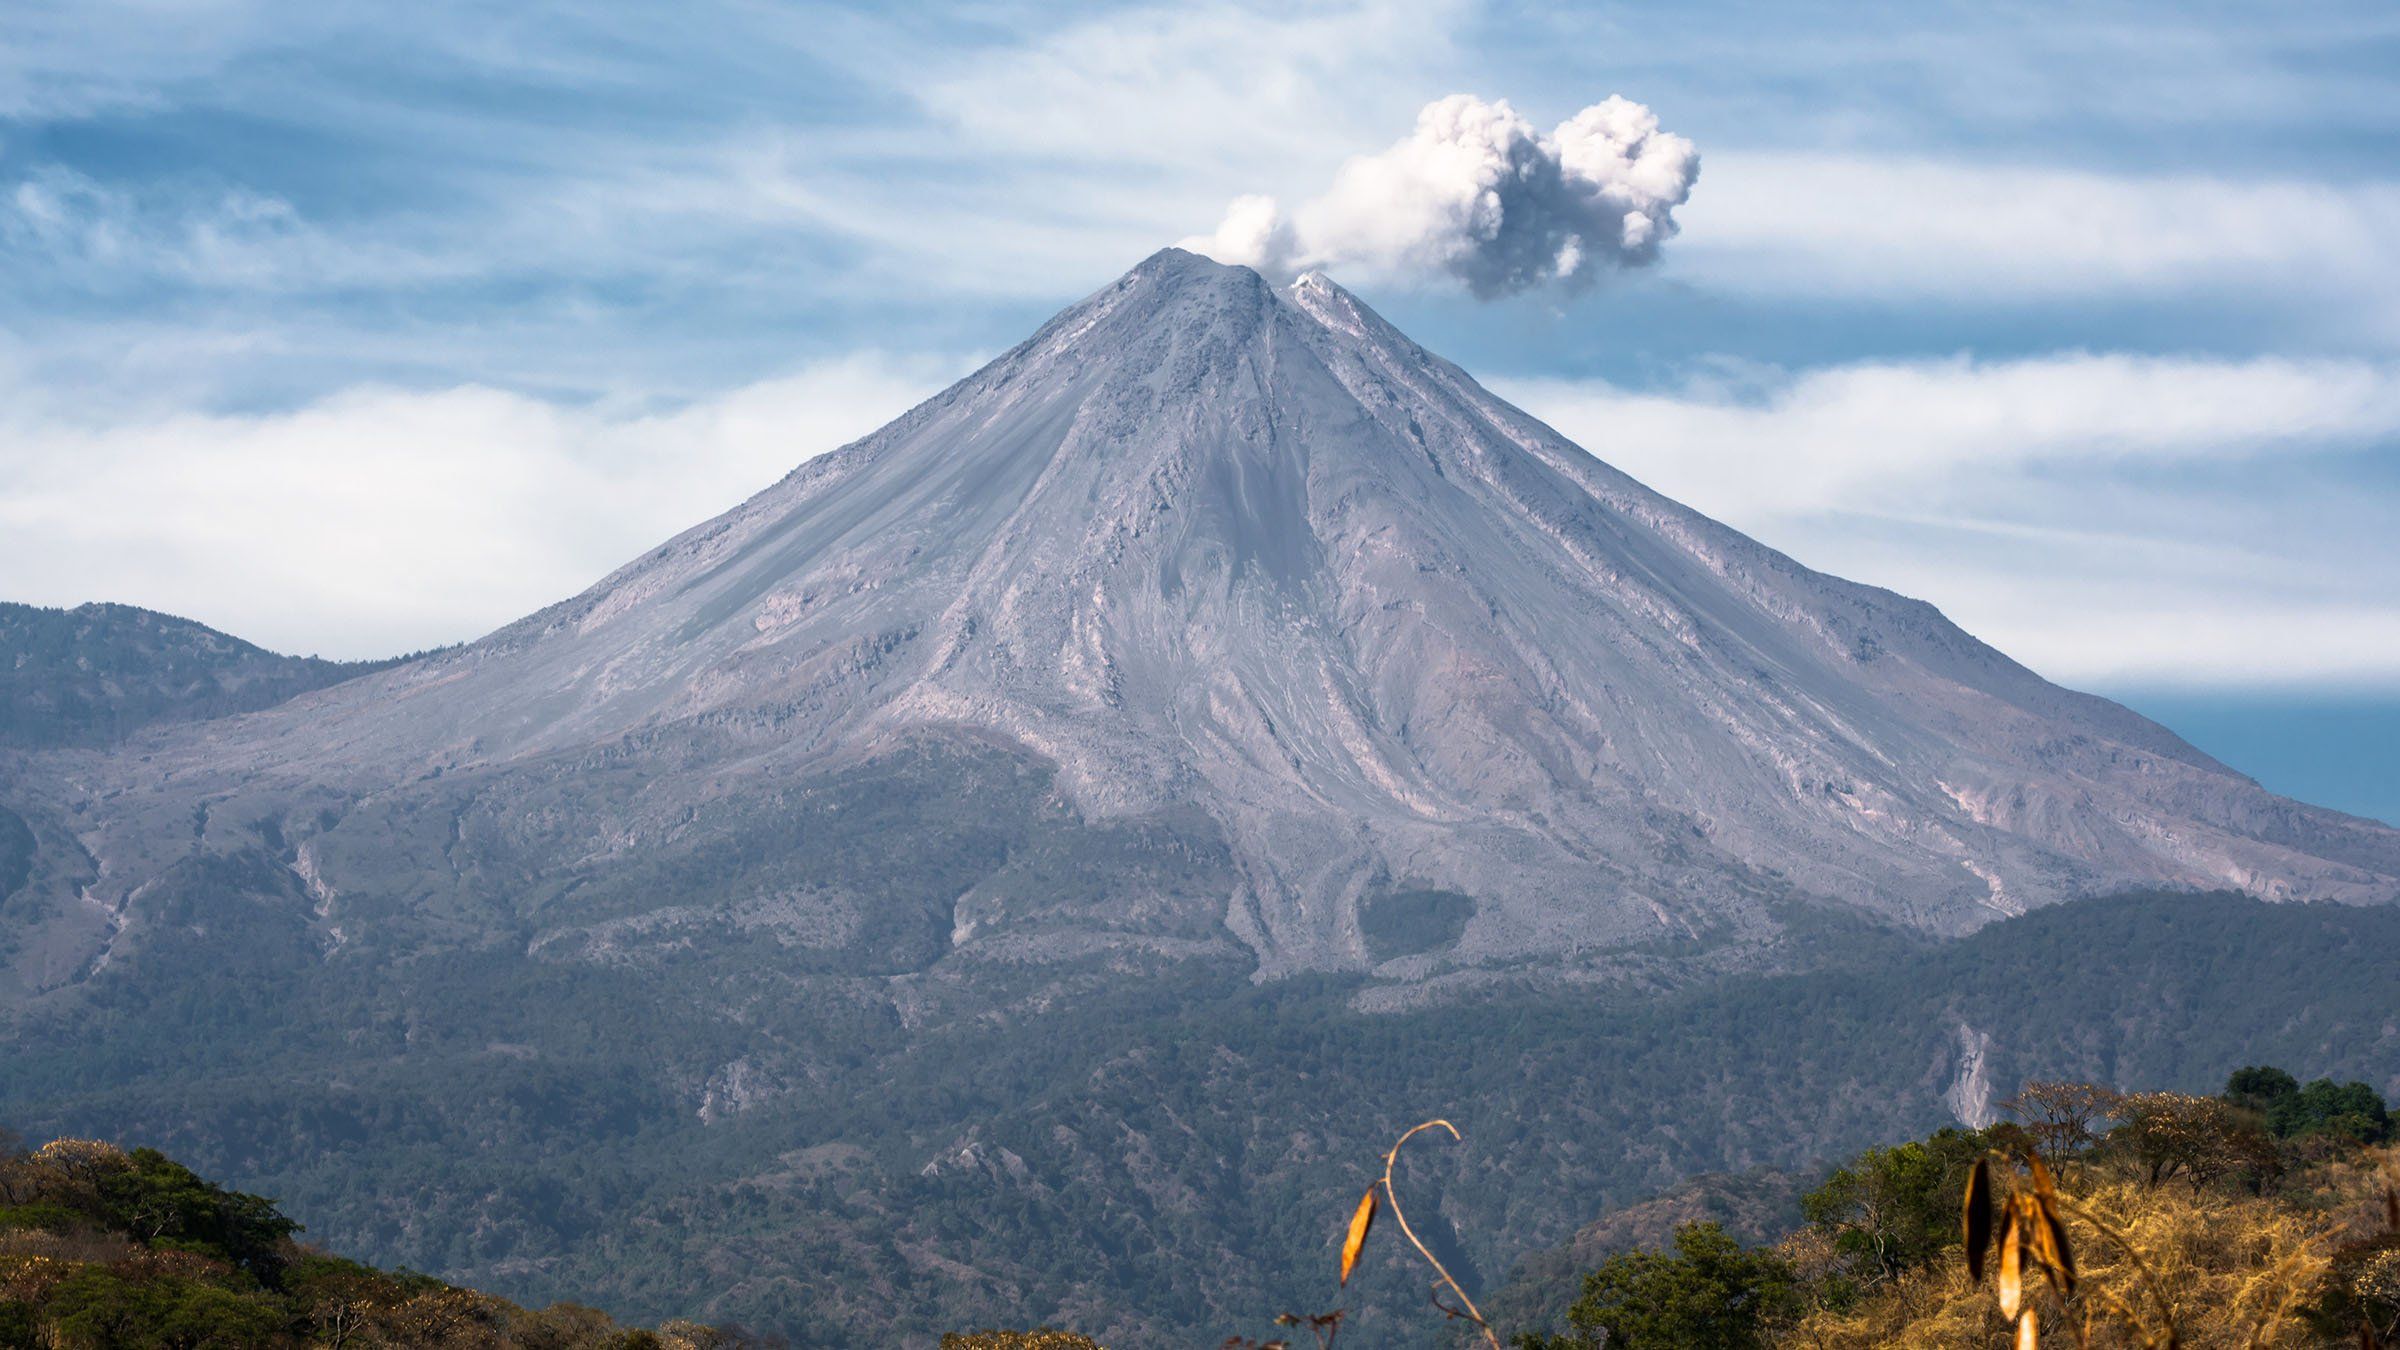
pixel 2258 1087
pixel 157 1199
pixel 1894 1209
pixel 2351 1110
pixel 96 1307
pixel 1710 1294
pixel 2345 1110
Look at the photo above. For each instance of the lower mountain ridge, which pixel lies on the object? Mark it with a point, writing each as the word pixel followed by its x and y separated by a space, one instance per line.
pixel 96 674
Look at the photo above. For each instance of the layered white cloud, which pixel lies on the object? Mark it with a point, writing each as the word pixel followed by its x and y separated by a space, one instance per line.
pixel 1754 445
pixel 383 520
pixel 2105 518
pixel 1028 152
pixel 1479 194
pixel 1894 228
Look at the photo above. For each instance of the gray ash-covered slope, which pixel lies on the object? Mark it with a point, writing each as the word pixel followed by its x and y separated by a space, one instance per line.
pixel 1214 617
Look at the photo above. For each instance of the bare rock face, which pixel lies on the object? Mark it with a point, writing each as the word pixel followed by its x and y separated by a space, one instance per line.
pixel 1214 617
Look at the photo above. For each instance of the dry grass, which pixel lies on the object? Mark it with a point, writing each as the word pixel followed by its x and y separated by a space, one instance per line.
pixel 2237 1270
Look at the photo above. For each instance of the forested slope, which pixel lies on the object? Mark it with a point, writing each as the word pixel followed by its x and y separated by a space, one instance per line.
pixel 1132 1156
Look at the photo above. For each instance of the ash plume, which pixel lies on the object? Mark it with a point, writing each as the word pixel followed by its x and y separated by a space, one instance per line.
pixel 1479 194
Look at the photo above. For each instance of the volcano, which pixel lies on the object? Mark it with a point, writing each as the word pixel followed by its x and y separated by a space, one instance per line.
pixel 1018 868
pixel 1216 618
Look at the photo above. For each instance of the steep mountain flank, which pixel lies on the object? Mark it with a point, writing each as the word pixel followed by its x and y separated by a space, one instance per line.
pixel 1215 619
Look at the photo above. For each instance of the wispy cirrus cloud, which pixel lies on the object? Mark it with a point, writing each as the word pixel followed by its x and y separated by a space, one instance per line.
pixel 81 58
pixel 1214 88
pixel 82 233
pixel 981 155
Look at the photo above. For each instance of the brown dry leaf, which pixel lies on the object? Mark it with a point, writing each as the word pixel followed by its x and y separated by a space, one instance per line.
pixel 1978 1217
pixel 2037 1244
pixel 2012 1269
pixel 1360 1221
pixel 2062 1256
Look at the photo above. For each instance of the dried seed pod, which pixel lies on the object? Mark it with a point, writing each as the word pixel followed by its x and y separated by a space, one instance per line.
pixel 1360 1221
pixel 2061 1256
pixel 1978 1217
pixel 2012 1264
pixel 2042 1185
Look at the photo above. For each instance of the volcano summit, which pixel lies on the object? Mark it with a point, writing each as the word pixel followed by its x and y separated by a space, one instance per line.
pixel 1215 618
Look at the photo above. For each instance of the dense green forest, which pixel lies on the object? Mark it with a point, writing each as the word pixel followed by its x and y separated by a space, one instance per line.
pixel 1133 1152
pixel 104 1249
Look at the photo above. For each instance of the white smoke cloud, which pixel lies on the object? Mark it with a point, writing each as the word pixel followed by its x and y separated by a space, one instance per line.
pixel 1479 194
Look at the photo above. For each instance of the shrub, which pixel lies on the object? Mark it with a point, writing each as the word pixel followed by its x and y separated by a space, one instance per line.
pixel 1893 1209
pixel 1709 1294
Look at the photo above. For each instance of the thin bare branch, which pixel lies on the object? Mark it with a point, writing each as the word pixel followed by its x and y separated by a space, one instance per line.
pixel 1392 1197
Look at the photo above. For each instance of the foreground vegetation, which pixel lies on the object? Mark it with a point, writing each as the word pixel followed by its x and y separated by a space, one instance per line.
pixel 101 1249
pixel 2267 1216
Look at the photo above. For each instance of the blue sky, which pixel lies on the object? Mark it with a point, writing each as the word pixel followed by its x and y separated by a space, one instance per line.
pixel 355 328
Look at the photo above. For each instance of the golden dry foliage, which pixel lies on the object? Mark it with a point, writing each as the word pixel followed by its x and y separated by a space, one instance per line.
pixel 82 1160
pixel 2061 1115
pixel 26 1276
pixel 2238 1270
pixel 1043 1338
